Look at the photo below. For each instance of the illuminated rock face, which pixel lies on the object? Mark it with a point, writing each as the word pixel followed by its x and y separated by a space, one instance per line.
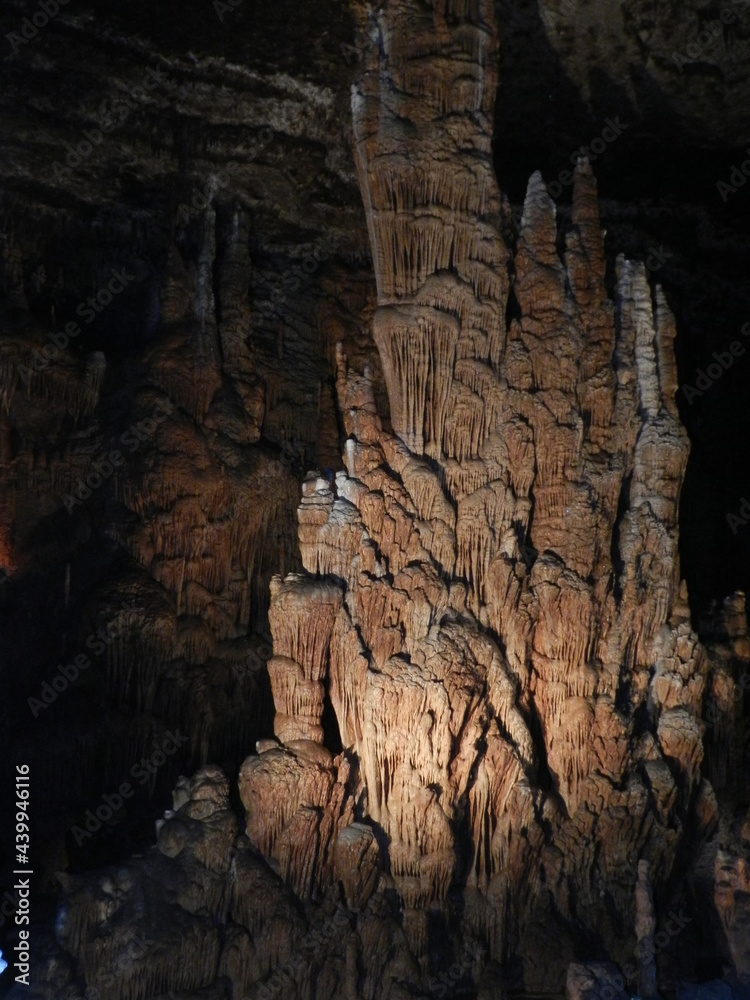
pixel 512 666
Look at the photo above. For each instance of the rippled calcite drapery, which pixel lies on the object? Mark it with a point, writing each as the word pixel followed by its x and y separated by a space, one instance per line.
pixel 511 666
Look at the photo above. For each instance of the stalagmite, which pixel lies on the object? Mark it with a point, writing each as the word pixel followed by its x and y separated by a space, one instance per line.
pixel 297 806
pixel 530 434
pixel 518 508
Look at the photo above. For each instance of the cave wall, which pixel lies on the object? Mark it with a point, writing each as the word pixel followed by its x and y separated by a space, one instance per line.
pixel 285 310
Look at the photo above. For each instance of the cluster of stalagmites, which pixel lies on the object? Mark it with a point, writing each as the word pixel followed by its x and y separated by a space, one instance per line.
pixel 201 914
pixel 493 605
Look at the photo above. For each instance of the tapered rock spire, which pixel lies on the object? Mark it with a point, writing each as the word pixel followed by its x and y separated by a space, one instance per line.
pixel 508 555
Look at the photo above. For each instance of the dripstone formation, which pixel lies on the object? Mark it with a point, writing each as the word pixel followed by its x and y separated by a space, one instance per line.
pixel 490 756
pixel 511 665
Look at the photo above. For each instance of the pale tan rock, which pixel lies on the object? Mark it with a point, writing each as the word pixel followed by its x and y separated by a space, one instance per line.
pixel 357 863
pixel 297 803
pixel 680 739
pixel 508 552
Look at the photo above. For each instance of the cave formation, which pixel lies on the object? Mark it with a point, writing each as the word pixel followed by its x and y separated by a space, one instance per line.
pixel 372 611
